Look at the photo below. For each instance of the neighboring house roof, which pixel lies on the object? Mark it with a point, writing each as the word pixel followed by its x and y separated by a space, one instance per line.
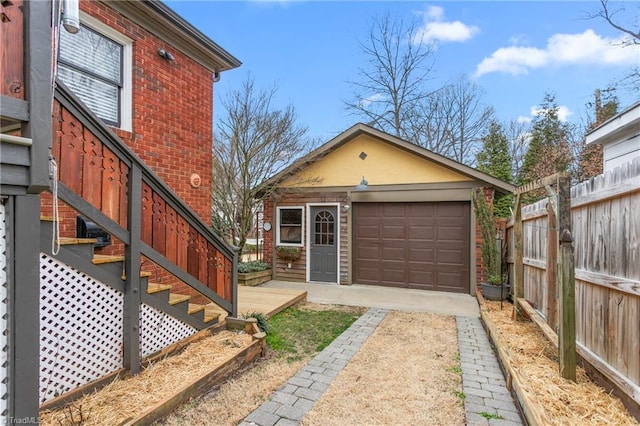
pixel 618 128
pixel 164 23
pixel 360 129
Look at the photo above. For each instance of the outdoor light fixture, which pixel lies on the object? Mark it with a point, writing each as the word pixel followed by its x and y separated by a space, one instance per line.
pixel 164 54
pixel 363 185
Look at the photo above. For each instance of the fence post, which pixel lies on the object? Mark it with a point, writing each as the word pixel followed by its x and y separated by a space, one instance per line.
pixel 567 334
pixel 132 296
pixel 518 285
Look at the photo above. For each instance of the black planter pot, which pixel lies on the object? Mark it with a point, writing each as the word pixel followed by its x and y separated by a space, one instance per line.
pixel 495 292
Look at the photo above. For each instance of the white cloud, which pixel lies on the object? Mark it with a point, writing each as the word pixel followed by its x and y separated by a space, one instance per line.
pixel 435 28
pixel 523 119
pixel 562 111
pixel 371 99
pixel 587 48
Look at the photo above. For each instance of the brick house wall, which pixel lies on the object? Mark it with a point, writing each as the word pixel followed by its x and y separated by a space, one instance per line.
pixel 172 125
pixel 172 117
pixel 172 111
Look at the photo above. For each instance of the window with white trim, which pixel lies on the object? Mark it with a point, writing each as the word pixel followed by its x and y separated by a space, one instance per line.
pixel 290 226
pixel 96 64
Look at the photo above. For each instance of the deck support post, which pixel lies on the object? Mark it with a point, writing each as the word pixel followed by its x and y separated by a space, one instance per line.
pixel 132 295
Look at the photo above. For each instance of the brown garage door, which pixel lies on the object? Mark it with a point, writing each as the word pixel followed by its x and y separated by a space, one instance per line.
pixel 412 245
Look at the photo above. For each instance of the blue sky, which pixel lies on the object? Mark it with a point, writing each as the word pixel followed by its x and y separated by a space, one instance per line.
pixel 516 51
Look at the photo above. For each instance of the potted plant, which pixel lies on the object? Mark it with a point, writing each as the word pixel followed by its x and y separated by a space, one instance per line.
pixel 288 253
pixel 493 288
pixel 253 273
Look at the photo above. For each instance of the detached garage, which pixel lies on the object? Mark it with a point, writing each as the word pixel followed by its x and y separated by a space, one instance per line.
pixel 369 208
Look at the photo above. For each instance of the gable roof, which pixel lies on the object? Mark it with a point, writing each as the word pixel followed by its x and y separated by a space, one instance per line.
pixel 363 129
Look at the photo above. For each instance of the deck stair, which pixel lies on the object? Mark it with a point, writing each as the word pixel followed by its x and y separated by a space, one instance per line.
pixel 80 253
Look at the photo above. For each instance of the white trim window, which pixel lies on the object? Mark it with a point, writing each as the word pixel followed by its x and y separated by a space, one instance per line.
pixel 96 64
pixel 290 226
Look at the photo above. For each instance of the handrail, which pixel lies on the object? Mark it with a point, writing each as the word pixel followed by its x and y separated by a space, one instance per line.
pixel 197 256
pixel 64 95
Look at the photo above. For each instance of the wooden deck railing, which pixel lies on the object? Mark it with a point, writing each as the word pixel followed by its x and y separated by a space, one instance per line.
pixel 102 179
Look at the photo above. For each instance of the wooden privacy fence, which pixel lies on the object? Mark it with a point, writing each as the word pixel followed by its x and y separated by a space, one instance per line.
pixel 605 214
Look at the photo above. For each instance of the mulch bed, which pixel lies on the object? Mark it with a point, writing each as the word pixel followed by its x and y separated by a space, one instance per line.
pixel 126 398
pixel 557 400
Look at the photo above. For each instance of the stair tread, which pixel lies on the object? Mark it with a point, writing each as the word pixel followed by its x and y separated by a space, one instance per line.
pixel 157 287
pixel 71 240
pixel 50 219
pixel 106 258
pixel 211 313
pixel 175 298
pixel 194 308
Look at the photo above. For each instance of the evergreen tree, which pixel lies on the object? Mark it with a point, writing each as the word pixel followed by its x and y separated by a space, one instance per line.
pixel 549 151
pixel 495 159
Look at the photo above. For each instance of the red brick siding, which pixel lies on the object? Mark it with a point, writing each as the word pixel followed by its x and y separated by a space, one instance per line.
pixel 172 111
pixel 480 271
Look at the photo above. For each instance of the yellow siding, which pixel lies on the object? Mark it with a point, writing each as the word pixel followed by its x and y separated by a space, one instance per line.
pixel 384 165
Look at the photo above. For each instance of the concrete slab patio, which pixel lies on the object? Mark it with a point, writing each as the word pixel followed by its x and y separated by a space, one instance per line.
pixel 401 299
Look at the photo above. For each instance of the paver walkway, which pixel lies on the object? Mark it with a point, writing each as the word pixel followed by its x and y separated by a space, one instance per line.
pixel 482 379
pixel 289 404
pixel 483 383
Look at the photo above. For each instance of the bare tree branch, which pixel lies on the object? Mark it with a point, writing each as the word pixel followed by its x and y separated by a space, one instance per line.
pixel 254 141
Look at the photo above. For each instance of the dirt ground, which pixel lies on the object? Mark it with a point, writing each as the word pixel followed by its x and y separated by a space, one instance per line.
pixel 407 372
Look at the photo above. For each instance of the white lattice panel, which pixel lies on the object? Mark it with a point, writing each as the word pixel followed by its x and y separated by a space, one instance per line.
pixel 80 328
pixel 4 323
pixel 159 330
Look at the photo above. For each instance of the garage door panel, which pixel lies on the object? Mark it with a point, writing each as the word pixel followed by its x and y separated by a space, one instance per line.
pixel 452 233
pixel 394 253
pixel 451 257
pixel 392 210
pixel 421 232
pixel 421 255
pixel 394 232
pixel 419 245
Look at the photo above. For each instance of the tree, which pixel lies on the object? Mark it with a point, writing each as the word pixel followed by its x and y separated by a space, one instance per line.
pixel 629 24
pixel 589 157
pixel 457 120
pixel 393 84
pixel 494 159
pixel 254 141
pixel 518 134
pixel 549 151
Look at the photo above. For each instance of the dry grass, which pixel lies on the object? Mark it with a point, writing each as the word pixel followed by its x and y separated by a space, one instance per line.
pixel 561 401
pixel 403 374
pixel 123 399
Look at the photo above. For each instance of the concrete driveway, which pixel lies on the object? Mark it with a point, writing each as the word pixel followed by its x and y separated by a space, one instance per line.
pixel 399 299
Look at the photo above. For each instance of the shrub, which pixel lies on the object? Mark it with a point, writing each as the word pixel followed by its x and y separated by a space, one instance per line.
pixel 252 266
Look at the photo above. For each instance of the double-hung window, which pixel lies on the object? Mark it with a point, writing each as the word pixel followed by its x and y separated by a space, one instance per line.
pixel 290 226
pixel 95 64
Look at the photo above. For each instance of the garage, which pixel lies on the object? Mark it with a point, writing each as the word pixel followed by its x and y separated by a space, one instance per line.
pixel 419 245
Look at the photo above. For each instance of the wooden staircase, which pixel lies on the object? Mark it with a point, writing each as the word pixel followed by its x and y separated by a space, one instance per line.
pixel 158 295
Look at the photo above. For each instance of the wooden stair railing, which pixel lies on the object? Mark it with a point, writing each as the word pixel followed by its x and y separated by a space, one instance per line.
pixel 123 196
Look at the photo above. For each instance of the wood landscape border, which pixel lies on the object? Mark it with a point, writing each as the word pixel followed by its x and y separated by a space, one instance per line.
pixel 533 412
pixel 204 383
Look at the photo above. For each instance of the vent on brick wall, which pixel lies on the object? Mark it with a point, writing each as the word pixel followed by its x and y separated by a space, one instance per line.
pixel 80 329
pixel 4 325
